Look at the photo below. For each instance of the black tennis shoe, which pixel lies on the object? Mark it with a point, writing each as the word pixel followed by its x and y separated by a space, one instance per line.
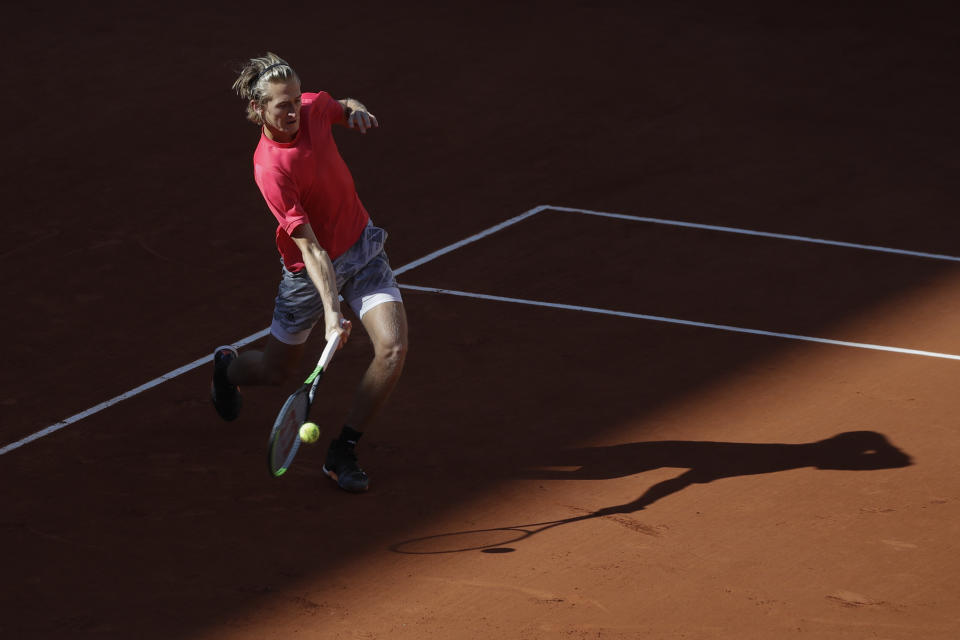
pixel 341 466
pixel 225 395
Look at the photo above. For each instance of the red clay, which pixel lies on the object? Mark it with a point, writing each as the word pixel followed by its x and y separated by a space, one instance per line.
pixel 679 465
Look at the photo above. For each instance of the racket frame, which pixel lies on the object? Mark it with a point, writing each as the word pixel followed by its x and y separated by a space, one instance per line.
pixel 310 386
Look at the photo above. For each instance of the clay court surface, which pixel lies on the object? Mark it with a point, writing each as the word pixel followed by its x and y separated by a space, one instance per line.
pixel 675 422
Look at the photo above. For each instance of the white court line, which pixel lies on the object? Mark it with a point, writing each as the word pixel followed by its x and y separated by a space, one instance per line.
pixel 689 323
pixel 494 229
pixel 170 375
pixel 251 338
pixel 483 234
pixel 762 234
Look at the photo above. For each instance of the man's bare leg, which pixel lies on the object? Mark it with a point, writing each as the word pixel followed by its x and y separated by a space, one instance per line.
pixel 386 324
pixel 272 366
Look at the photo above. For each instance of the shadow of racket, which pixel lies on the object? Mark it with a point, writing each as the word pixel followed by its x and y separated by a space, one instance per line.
pixel 494 540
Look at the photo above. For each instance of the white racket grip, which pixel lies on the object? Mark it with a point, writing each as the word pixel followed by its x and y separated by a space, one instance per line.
pixel 328 351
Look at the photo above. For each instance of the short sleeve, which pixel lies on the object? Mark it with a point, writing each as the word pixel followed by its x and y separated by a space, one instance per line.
pixel 281 197
pixel 325 108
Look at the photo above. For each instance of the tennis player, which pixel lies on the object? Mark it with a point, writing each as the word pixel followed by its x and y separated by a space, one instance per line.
pixel 329 249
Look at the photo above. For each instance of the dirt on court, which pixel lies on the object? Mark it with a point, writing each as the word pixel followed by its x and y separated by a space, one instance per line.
pixel 541 472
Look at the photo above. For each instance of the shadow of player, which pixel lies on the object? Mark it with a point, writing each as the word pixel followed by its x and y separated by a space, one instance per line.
pixel 704 461
pixel 709 461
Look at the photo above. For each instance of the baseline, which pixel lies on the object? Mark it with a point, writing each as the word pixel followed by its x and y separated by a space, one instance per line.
pixel 761 234
pixel 251 338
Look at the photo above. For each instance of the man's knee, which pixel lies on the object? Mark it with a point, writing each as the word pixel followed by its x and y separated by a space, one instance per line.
pixel 393 352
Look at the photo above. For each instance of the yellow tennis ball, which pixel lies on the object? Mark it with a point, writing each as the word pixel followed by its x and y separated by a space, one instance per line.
pixel 309 432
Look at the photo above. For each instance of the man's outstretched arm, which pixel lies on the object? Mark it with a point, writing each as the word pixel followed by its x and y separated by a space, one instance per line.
pixel 357 116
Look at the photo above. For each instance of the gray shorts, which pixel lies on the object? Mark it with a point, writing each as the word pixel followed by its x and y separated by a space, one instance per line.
pixel 364 280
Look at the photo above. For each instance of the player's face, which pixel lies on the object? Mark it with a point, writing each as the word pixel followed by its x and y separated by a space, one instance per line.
pixel 281 113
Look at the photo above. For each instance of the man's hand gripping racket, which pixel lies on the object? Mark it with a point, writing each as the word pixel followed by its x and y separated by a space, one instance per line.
pixel 285 435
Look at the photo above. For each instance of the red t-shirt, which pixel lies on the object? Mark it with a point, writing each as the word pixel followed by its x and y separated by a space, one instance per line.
pixel 307 180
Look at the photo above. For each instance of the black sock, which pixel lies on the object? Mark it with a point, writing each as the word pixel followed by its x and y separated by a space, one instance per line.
pixel 349 435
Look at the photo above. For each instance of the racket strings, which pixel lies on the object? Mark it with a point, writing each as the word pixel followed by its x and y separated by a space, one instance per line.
pixel 286 436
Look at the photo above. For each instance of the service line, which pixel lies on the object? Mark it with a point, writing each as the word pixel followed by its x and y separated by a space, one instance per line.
pixel 688 323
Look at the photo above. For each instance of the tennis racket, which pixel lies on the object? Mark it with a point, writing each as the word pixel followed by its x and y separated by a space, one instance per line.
pixel 285 435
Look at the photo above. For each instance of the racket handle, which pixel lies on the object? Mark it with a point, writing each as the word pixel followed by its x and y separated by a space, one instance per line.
pixel 332 343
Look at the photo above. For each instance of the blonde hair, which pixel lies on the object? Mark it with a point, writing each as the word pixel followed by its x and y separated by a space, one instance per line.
pixel 256 75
